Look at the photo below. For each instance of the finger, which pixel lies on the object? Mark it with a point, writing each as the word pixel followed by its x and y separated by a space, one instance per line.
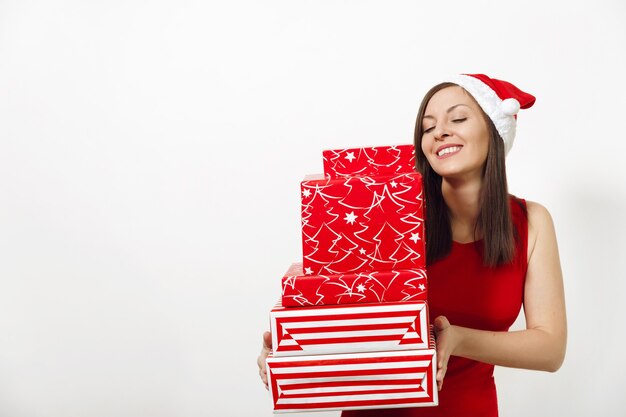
pixel 267 341
pixel 265 351
pixel 442 366
pixel 263 375
pixel 261 361
pixel 441 323
pixel 443 357
pixel 441 374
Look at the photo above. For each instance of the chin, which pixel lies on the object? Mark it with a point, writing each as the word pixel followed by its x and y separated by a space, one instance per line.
pixel 455 172
pixel 447 171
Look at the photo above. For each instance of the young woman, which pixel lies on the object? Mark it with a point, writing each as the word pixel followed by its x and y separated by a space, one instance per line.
pixel 488 252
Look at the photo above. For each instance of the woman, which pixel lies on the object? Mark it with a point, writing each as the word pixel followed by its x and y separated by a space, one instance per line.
pixel 488 253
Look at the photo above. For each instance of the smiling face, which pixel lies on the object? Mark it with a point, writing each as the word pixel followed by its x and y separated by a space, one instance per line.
pixel 455 135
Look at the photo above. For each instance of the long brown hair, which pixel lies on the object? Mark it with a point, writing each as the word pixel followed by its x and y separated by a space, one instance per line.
pixel 494 218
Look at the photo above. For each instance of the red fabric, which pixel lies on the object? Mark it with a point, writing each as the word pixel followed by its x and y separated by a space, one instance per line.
pixel 505 89
pixel 471 295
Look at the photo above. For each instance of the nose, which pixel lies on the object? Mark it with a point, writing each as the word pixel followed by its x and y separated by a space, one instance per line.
pixel 440 132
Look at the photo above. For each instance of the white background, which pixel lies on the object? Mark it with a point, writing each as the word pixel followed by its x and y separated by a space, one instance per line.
pixel 150 158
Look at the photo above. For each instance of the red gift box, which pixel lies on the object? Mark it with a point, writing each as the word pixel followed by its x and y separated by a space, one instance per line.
pixel 352 381
pixel 349 328
pixel 358 224
pixel 364 287
pixel 380 160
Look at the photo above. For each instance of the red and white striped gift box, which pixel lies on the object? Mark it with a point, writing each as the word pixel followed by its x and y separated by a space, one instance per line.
pixel 353 381
pixel 349 328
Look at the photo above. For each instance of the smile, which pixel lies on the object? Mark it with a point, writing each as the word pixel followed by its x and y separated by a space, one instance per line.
pixel 449 150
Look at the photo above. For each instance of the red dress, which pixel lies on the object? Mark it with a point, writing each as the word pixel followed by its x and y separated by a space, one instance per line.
pixel 471 295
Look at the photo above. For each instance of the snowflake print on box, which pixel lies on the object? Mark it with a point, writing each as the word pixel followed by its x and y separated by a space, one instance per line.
pixel 352 288
pixel 360 224
pixel 380 160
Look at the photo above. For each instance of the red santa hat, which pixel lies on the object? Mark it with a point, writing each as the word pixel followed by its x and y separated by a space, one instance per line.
pixel 500 100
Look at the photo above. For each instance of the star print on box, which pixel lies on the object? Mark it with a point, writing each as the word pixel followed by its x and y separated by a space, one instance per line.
pixel 349 328
pixel 405 285
pixel 358 224
pixel 381 160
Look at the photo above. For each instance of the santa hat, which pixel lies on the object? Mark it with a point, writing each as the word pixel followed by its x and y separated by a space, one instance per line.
pixel 500 100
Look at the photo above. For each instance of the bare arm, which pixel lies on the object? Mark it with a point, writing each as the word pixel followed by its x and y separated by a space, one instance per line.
pixel 541 345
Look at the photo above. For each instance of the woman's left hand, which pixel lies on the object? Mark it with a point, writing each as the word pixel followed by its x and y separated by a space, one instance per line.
pixel 447 340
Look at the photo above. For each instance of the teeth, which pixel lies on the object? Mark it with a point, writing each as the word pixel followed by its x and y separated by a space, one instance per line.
pixel 448 150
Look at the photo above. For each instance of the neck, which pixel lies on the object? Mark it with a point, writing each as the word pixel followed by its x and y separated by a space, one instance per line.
pixel 463 201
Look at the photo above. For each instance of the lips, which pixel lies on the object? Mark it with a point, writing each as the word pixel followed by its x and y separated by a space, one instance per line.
pixel 448 150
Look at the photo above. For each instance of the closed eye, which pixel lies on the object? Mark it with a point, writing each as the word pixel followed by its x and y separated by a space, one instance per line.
pixel 460 120
pixel 430 129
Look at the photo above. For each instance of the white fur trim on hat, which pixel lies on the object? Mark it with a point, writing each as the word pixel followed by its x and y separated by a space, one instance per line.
pixel 501 112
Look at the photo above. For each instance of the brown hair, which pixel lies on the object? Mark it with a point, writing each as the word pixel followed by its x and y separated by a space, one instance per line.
pixel 494 218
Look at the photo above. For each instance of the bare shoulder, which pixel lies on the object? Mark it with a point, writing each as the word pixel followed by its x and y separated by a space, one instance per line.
pixel 540 225
pixel 537 214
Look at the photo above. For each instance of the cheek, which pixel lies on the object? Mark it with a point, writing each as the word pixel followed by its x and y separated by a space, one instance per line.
pixel 426 144
pixel 479 136
pixel 430 158
pixel 484 146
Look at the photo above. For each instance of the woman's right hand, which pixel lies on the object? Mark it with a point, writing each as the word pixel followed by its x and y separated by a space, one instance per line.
pixel 447 341
pixel 265 351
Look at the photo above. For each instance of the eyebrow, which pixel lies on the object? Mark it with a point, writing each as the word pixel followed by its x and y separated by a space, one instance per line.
pixel 447 111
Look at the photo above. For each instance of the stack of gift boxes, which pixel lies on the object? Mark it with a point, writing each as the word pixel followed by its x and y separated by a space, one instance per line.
pixel 351 330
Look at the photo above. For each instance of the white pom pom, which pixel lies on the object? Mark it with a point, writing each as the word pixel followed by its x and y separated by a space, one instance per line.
pixel 510 106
